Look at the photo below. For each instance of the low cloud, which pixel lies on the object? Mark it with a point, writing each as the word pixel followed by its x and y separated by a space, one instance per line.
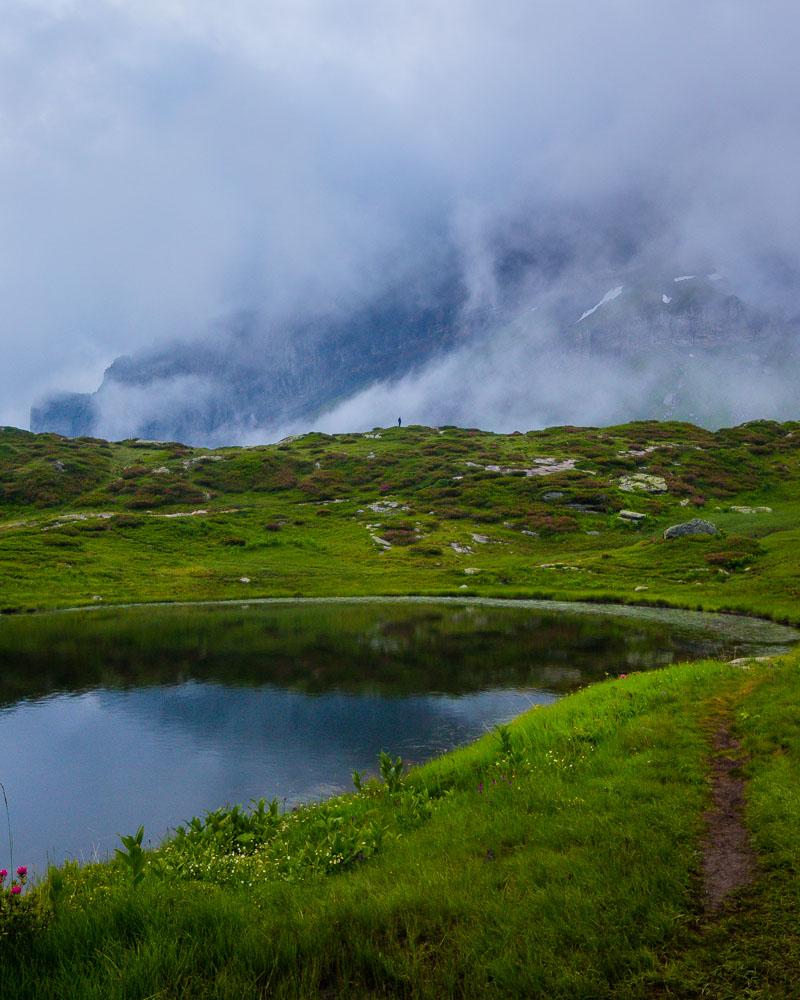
pixel 163 165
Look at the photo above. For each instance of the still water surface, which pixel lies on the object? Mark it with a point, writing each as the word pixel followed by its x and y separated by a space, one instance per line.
pixel 113 718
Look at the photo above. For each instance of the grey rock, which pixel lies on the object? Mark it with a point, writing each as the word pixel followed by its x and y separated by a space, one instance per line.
pixel 697 526
pixel 460 549
pixel 643 482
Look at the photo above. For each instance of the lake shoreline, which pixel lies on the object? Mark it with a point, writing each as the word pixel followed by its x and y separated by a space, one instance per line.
pixel 579 816
pixel 718 621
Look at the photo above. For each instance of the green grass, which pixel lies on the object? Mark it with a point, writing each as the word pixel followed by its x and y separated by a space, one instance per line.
pixel 753 950
pixel 562 864
pixel 297 518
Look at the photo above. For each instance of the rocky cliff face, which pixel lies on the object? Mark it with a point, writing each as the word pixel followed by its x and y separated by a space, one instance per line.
pixel 251 376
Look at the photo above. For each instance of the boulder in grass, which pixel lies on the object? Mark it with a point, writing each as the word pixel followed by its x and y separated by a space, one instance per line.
pixel 697 526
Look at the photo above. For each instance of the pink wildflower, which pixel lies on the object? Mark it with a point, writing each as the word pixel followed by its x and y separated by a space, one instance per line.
pixel 622 677
pixel 22 870
pixel 16 890
pixel 3 873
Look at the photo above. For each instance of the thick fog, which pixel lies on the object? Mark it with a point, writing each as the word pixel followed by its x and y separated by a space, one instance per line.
pixel 166 163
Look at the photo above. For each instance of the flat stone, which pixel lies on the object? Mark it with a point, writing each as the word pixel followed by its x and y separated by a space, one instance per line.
pixel 743 661
pixel 631 515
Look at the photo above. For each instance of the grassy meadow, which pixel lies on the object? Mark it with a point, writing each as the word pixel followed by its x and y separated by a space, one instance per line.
pixel 560 857
pixel 412 510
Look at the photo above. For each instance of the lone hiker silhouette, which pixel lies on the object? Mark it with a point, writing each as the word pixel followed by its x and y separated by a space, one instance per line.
pixel 399 421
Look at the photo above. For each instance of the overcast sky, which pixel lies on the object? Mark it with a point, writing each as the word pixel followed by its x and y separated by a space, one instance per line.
pixel 165 162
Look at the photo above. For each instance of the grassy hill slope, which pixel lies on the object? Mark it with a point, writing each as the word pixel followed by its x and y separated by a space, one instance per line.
pixel 412 510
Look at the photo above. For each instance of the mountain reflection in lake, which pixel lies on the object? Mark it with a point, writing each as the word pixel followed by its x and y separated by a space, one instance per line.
pixel 114 718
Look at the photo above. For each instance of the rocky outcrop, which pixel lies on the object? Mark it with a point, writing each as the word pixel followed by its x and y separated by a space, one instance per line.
pixel 643 482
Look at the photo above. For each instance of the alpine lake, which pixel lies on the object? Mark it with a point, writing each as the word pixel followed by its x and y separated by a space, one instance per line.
pixel 112 718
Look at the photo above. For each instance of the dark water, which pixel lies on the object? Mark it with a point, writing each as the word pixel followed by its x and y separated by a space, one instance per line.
pixel 109 719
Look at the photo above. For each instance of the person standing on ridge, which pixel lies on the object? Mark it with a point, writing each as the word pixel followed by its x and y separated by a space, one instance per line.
pixel 399 421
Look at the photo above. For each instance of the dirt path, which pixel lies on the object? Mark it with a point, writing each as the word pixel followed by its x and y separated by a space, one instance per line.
pixel 728 858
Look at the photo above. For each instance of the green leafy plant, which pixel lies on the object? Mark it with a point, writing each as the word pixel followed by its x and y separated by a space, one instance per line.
pixel 231 828
pixel 391 771
pixel 133 857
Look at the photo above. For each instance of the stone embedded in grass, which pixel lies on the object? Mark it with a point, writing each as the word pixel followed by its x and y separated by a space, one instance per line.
pixel 697 526
pixel 642 482
pixel 480 539
pixel 631 515
pixel 384 506
pixel 189 462
pixel 471 570
pixel 462 550
pixel 752 510
pixel 541 467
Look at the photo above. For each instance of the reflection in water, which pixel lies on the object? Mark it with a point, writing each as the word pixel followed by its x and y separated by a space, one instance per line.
pixel 116 718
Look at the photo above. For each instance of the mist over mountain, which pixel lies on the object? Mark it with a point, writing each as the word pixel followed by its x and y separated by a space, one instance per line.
pixel 670 346
pixel 227 224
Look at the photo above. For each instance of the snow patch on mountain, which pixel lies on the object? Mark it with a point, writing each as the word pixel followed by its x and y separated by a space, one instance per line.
pixel 685 277
pixel 608 297
pixel 666 299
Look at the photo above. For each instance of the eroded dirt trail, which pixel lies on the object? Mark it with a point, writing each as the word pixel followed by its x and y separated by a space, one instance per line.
pixel 728 858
